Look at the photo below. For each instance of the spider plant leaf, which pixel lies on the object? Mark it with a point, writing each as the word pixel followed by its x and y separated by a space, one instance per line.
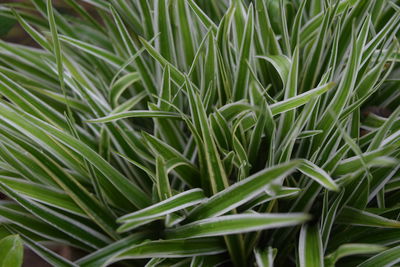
pixel 32 32
pixel 105 254
pixel 299 100
pixel 376 157
pixel 358 217
pixel 11 251
pixel 40 130
pixel 136 114
pixel 81 232
pixel 351 249
pixel 230 224
pixel 94 50
pixel 47 254
pixel 241 192
pixel 266 257
pixel 172 249
pixel 187 172
pixel 281 63
pixel 45 195
pixel 32 225
pixel 310 246
pixel 317 174
pixel 242 73
pixel 121 85
pixel 168 206
pixel 175 203
pixel 386 258
pixel 207 22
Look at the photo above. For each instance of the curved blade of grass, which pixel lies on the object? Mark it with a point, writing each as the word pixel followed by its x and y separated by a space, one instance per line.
pixel 162 25
pixel 290 91
pixel 56 44
pixel 162 180
pixel 216 172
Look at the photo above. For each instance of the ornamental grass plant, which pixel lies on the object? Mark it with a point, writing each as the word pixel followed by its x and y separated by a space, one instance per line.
pixel 202 133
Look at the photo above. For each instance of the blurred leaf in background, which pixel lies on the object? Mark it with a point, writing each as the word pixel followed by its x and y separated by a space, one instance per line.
pixel 11 251
pixel 6 25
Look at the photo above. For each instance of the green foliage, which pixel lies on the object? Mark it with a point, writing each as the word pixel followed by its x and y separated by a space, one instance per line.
pixel 11 251
pixel 177 133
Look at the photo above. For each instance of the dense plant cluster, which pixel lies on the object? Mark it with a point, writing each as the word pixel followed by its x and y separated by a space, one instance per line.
pixel 200 133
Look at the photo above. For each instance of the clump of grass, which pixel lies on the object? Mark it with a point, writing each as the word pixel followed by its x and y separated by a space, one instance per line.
pixel 177 133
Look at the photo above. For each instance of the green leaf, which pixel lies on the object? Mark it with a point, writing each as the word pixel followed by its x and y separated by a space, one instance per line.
pixel 242 72
pixel 41 130
pixel 317 174
pixel 377 158
pixel 104 255
pixel 207 22
pixel 231 224
pixel 32 32
pixel 78 230
pixel 310 246
pixel 56 43
pixel 351 249
pixel 354 216
pixel 187 171
pixel 47 254
pixel 172 249
pixel 94 50
pixel 169 205
pixel 11 251
pixel 136 114
pixel 265 258
pixel 281 63
pixel 216 172
pixel 43 194
pixel 121 85
pixel 299 100
pixel 241 192
pixel 388 257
